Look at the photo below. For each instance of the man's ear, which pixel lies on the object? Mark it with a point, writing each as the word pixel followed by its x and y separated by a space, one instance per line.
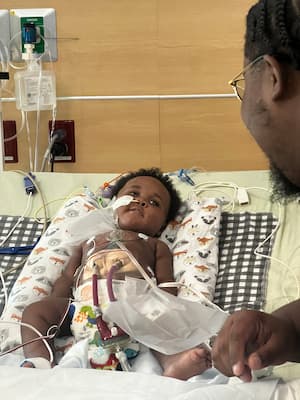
pixel 275 75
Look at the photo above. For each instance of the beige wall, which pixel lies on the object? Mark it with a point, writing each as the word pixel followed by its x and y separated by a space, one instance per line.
pixel 147 47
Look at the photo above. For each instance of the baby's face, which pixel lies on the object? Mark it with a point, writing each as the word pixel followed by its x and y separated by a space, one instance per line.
pixel 148 213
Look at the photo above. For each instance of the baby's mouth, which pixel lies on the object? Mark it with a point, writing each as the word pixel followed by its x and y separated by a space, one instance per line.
pixel 136 208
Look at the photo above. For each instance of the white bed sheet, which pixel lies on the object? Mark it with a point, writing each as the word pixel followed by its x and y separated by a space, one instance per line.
pixel 73 384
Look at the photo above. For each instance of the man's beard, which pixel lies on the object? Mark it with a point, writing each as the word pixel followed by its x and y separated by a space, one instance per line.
pixel 283 190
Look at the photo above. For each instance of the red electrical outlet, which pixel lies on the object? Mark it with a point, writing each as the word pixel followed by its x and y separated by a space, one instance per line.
pixel 10 146
pixel 66 145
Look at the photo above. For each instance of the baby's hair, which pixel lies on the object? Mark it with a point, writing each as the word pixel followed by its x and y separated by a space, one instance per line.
pixel 273 27
pixel 175 201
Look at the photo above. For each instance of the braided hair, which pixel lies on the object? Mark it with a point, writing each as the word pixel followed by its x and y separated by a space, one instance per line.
pixel 156 173
pixel 273 27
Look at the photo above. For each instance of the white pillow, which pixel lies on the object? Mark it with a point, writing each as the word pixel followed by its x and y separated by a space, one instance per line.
pixel 43 267
pixel 193 239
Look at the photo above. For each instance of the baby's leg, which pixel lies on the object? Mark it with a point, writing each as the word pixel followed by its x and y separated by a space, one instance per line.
pixel 186 364
pixel 42 315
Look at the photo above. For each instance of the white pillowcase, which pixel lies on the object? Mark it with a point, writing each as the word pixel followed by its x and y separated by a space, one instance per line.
pixel 42 268
pixel 193 239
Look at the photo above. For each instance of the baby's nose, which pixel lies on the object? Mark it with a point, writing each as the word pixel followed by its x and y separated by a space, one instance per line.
pixel 142 203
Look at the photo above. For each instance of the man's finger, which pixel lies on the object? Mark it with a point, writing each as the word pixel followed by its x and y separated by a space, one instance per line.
pixel 242 371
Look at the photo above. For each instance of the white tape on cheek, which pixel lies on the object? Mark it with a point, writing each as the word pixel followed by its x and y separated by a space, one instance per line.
pixel 122 201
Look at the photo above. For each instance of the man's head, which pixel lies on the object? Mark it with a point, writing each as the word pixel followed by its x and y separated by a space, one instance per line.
pixel 271 101
pixel 156 201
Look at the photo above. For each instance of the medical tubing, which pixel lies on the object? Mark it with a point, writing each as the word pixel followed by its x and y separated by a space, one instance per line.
pixel 29 141
pixel 121 356
pixel 140 269
pixel 95 290
pixel 4 289
pixel 19 131
pixel 40 337
pixel 20 219
pixel 109 279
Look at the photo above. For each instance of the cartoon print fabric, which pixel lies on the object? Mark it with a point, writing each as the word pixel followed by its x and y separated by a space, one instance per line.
pixel 193 238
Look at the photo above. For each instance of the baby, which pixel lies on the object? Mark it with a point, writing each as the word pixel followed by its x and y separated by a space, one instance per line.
pixel 132 249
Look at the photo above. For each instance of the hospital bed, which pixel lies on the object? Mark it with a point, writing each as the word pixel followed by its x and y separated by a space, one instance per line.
pixel 258 256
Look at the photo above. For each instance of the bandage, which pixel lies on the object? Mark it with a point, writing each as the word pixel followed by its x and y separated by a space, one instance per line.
pixel 122 201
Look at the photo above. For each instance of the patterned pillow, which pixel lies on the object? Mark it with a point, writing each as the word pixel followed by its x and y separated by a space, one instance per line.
pixel 42 268
pixel 193 239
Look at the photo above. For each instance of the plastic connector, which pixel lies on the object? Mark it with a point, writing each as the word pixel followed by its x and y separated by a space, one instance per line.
pixel 242 196
pixel 30 187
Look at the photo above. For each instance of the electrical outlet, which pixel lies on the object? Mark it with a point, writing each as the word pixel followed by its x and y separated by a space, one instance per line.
pixel 66 144
pixel 11 146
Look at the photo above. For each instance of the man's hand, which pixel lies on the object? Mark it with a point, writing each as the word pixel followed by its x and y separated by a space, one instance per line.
pixel 251 340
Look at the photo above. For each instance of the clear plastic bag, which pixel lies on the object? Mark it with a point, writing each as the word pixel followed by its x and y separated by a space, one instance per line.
pixel 162 321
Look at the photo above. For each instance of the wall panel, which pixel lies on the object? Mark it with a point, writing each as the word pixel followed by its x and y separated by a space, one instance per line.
pixel 146 47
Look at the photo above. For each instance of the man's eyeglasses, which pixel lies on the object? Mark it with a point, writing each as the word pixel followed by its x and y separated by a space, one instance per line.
pixel 238 82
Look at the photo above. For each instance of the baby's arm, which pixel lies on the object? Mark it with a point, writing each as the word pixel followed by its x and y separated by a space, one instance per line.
pixel 62 287
pixel 164 266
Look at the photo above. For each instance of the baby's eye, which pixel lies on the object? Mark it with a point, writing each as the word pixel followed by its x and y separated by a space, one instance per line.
pixel 133 193
pixel 154 203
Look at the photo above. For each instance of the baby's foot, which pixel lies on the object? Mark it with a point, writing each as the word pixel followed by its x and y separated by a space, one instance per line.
pixel 188 363
pixel 27 364
pixel 35 362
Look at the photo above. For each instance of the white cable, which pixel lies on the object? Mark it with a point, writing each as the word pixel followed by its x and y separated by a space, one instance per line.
pixel 137 264
pixel 4 289
pixel 41 337
pixel 29 141
pixel 20 130
pixel 20 219
pixel 206 186
pixel 38 114
pixel 38 105
pixel 200 295
pixel 35 183
pixel 275 259
pixel 10 51
pixel 213 185
pixel 4 57
pixel 4 64
pixel 50 141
